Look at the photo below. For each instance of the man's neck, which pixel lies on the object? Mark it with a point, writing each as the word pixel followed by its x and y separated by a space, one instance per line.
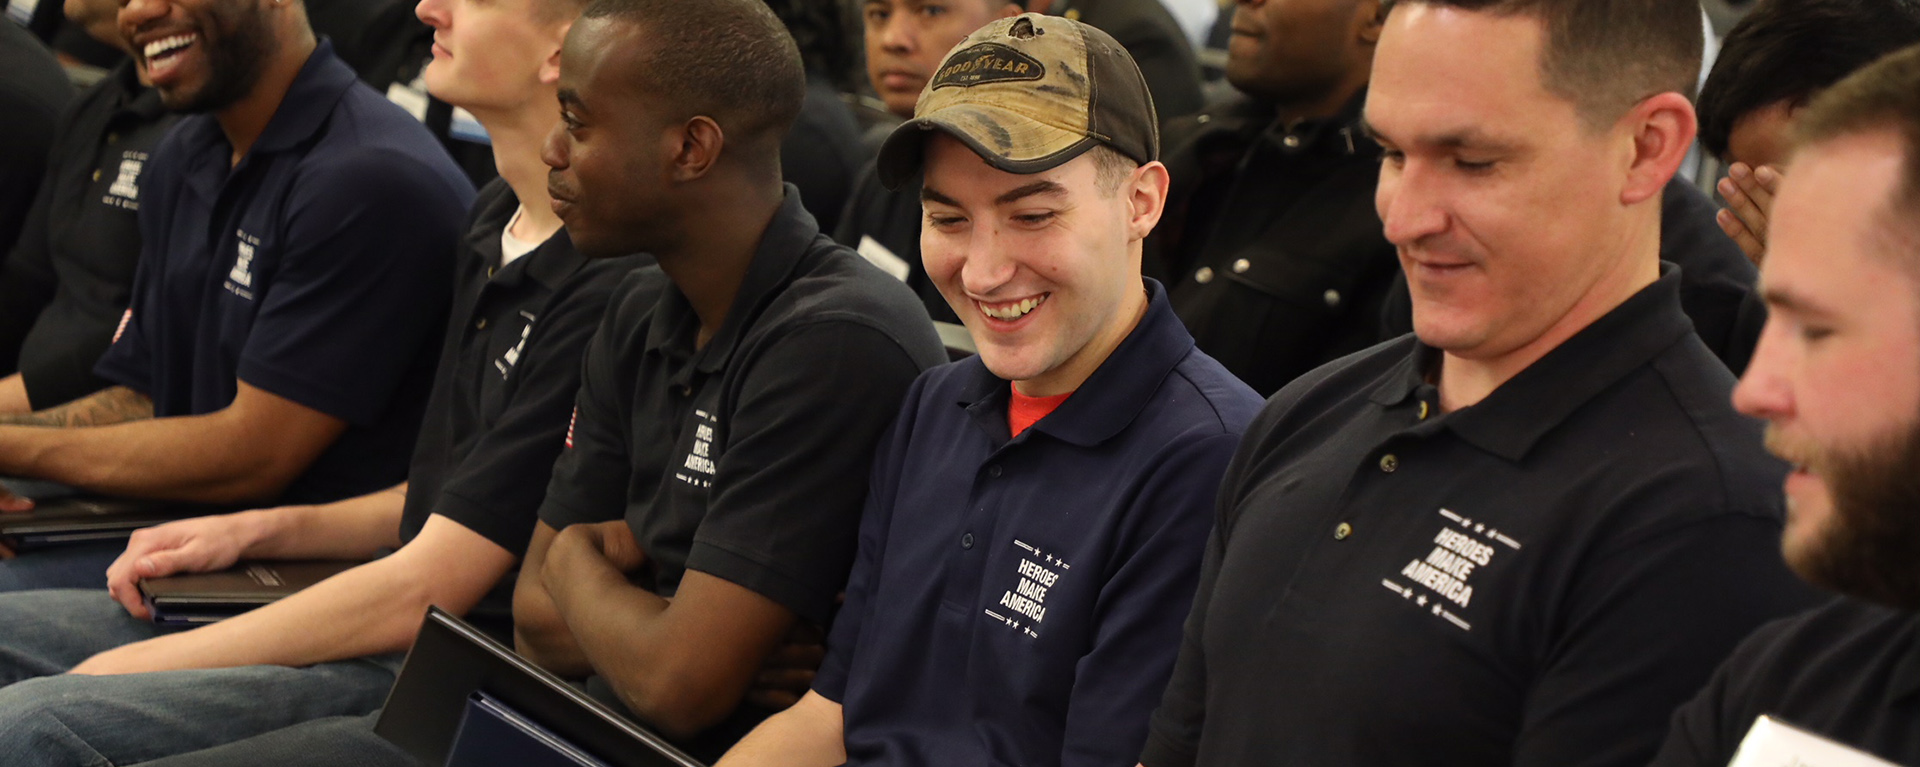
pixel 710 258
pixel 517 137
pixel 1318 107
pixel 1465 382
pixel 246 119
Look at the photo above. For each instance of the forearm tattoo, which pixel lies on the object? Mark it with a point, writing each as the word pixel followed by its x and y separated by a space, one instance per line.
pixel 115 405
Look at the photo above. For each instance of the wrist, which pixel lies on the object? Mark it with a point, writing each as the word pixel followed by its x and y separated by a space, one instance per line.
pixel 262 532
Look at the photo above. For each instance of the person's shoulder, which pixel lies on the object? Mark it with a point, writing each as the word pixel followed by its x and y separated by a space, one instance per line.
pixel 1229 112
pixel 833 285
pixel 372 141
pixel 1708 434
pixel 1804 657
pixel 1332 391
pixel 1204 392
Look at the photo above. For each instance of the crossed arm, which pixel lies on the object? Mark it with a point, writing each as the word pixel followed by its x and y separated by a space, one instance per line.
pixel 682 665
pixel 110 442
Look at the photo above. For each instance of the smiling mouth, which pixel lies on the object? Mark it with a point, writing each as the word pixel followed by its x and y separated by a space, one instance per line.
pixel 164 53
pixel 1011 311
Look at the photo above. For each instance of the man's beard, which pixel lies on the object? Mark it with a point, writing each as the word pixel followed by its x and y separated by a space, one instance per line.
pixel 1870 545
pixel 236 57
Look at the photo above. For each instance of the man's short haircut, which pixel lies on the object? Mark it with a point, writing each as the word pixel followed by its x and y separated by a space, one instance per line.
pixel 1788 50
pixel 730 60
pixel 1883 96
pixel 1110 168
pixel 1606 56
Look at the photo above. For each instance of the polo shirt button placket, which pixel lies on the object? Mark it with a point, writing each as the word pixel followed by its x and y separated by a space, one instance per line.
pixel 1291 141
pixel 481 324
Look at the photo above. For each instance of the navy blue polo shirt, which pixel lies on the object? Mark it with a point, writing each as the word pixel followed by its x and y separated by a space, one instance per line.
pixel 319 269
pixel 1019 600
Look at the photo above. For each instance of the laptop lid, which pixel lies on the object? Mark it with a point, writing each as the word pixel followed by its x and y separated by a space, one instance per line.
pixel 194 598
pixel 451 660
pixel 63 514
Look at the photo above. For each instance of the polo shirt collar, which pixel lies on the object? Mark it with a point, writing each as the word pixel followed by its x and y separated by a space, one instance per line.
pixel 309 101
pixel 549 263
pixel 788 238
pixel 134 99
pixel 1117 392
pixel 1517 414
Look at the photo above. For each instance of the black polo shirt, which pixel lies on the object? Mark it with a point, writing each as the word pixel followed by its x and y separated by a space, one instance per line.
pixel 1271 246
pixel 747 458
pixel 1018 599
pixel 509 370
pixel 1849 671
pixel 1718 285
pixel 1538 579
pixel 319 269
pixel 68 281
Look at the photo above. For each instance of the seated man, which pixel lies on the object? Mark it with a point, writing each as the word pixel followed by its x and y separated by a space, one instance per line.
pixel 525 304
pixel 1152 36
pixel 298 234
pixel 1271 249
pixel 710 495
pixel 68 281
pixel 1837 376
pixel 1524 534
pixel 1074 461
pixel 1770 65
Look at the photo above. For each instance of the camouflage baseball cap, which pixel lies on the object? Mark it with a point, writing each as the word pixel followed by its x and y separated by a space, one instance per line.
pixel 1027 94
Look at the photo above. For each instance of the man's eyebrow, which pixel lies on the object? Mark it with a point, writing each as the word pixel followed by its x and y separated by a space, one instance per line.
pixel 1037 187
pixel 928 194
pixel 1782 299
pixel 1454 139
pixel 570 98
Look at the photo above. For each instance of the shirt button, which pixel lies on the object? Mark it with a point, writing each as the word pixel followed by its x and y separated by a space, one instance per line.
pixel 1332 297
pixel 113 138
pixel 966 541
pixel 1241 266
pixel 1204 276
pixel 1203 119
pixel 1423 410
pixel 1342 531
pixel 480 324
pixel 96 174
pixel 1388 463
pixel 1292 141
pixel 994 471
pixel 686 391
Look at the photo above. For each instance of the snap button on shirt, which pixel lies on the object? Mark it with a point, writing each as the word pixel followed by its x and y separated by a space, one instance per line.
pixel 1388 463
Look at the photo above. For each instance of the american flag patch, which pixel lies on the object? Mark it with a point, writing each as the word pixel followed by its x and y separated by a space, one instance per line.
pixel 120 331
pixel 575 418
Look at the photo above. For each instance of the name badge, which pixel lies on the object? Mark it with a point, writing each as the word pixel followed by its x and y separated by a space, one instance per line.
pixel 1772 743
pixel 878 255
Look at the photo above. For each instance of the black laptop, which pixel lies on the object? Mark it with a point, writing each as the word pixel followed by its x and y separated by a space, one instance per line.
pixel 451 661
pixel 62 514
pixel 196 598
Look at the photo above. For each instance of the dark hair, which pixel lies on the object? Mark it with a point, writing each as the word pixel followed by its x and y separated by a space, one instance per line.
pixel 820 31
pixel 1605 56
pixel 1788 50
pixel 1885 95
pixel 731 60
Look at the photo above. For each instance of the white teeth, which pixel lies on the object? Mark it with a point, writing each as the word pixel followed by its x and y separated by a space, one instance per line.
pixel 167 45
pixel 1014 311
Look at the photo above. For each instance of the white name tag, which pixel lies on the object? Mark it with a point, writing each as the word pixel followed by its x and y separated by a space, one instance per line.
pixel 879 256
pixel 412 99
pixel 1773 744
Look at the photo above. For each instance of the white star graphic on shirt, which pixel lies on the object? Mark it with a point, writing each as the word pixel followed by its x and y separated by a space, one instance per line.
pixel 1421 600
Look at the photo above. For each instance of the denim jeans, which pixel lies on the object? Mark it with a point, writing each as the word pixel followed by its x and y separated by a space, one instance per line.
pixel 340 741
pixel 79 566
pixel 56 719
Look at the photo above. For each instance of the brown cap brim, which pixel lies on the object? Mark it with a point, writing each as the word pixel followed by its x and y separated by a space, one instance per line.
pixel 1010 141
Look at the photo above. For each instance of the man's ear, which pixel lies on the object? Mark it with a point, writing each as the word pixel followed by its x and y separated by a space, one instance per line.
pixel 550 69
pixel 1014 9
pixel 1662 128
pixel 1146 190
pixel 1369 17
pixel 700 142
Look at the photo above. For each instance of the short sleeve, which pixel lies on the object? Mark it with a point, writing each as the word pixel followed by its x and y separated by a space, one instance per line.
pixel 784 511
pixel 830 681
pixel 128 360
pixel 364 281
pixel 1644 626
pixel 497 489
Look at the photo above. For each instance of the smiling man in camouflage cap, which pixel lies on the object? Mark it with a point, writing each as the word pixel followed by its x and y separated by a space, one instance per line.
pixel 1033 530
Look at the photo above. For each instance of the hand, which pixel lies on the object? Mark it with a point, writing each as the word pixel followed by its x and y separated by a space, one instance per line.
pixel 1749 194
pixel 613 540
pixel 197 545
pixel 787 673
